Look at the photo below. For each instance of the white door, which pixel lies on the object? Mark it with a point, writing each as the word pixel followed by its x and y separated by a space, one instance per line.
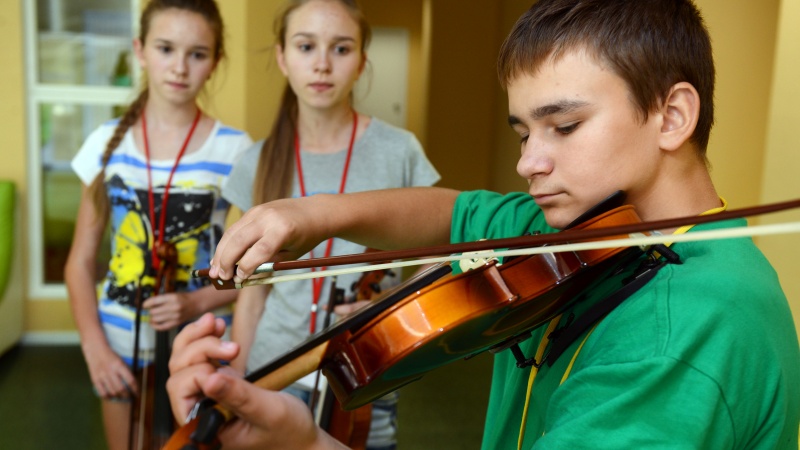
pixel 381 91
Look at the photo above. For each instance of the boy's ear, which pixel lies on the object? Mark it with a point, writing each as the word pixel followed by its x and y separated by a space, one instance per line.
pixel 680 112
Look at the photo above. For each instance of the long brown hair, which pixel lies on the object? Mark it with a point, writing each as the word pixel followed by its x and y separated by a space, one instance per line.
pixel 275 172
pixel 210 12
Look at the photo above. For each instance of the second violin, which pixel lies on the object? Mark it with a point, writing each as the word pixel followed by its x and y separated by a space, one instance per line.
pixel 151 416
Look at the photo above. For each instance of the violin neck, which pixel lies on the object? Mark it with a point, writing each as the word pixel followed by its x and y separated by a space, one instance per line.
pixel 293 370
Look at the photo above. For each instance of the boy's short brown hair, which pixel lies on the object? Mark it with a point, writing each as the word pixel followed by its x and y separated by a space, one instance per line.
pixel 651 44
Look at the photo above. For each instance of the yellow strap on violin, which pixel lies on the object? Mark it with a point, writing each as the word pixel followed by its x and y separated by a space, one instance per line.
pixel 534 371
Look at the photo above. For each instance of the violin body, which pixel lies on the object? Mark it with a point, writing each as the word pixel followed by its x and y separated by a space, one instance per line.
pixel 459 316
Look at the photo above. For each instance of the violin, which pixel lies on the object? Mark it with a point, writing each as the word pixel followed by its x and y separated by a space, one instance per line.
pixel 152 422
pixel 433 319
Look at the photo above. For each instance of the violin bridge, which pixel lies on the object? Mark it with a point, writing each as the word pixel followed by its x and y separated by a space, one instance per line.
pixel 474 263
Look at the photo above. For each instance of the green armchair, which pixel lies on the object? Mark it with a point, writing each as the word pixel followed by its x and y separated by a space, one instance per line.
pixel 11 313
pixel 6 233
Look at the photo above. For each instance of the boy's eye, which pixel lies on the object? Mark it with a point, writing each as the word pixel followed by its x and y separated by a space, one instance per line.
pixel 567 129
pixel 522 131
pixel 304 47
pixel 164 48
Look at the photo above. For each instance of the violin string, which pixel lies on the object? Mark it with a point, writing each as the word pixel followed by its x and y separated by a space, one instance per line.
pixel 639 240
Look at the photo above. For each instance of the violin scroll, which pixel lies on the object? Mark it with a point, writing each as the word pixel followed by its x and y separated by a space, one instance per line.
pixel 368 286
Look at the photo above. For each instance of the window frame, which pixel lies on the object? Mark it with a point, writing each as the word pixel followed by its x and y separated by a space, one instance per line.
pixel 38 93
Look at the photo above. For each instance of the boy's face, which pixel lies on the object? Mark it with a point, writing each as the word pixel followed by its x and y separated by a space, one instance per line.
pixel 581 137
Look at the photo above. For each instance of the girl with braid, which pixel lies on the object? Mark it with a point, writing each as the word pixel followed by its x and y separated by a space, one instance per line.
pixel 154 175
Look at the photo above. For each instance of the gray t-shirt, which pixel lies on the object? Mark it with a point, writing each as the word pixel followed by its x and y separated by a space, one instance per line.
pixel 383 157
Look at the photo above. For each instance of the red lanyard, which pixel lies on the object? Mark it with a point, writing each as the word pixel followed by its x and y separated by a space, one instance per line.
pixel 158 239
pixel 317 282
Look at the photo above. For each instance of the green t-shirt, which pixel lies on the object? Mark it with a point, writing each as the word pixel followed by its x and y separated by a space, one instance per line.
pixel 704 356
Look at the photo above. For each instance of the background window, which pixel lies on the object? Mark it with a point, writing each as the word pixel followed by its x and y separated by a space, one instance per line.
pixel 80 73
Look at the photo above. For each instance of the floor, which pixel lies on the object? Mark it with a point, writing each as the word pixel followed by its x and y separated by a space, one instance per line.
pixel 46 403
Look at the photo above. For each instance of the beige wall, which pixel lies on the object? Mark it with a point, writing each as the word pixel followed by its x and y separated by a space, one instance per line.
pixel 458 110
pixel 250 83
pixel 506 149
pixel 12 143
pixel 12 108
pixel 741 32
pixel 780 179
pixel 45 315
pixel 754 146
pixel 461 100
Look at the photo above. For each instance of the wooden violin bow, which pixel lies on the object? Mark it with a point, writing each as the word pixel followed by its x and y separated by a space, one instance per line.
pixel 522 242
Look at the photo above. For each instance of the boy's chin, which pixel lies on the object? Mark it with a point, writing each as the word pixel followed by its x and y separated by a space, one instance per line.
pixel 556 217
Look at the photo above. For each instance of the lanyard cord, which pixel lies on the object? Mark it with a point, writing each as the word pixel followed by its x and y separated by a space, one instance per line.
pixel 158 239
pixel 317 282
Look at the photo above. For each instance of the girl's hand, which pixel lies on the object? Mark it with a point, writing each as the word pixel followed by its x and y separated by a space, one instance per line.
pixel 167 311
pixel 346 309
pixel 110 376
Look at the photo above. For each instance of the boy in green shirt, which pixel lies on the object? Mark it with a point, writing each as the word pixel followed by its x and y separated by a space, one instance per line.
pixel 606 96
